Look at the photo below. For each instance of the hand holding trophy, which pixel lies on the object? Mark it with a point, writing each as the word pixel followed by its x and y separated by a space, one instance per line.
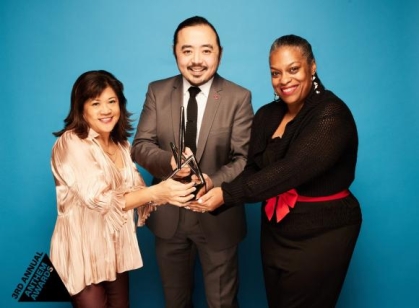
pixel 183 161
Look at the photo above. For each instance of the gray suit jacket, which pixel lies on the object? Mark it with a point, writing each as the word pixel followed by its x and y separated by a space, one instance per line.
pixel 221 150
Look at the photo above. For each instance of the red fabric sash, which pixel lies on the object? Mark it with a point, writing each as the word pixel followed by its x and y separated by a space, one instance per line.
pixel 288 199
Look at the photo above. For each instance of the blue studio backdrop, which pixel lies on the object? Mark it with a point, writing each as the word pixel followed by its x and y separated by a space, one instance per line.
pixel 366 52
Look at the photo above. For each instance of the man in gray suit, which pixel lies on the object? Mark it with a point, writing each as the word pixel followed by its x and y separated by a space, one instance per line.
pixel 223 124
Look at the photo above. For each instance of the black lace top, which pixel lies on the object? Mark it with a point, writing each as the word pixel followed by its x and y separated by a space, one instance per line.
pixel 316 155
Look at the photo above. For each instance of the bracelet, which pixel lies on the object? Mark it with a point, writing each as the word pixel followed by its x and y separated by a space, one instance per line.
pixel 150 203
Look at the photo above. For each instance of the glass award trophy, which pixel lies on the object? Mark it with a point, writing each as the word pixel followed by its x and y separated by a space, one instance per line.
pixel 182 161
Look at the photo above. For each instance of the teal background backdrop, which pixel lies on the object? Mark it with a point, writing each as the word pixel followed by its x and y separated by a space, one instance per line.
pixel 366 52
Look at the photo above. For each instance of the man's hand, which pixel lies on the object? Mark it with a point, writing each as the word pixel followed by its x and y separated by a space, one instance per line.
pixel 185 171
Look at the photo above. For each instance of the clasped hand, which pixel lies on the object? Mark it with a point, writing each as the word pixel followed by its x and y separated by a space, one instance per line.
pixel 207 202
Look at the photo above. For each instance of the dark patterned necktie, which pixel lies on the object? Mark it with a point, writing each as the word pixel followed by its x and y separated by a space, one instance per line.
pixel 191 122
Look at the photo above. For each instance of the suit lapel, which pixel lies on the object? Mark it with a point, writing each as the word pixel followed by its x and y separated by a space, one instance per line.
pixel 213 102
pixel 176 101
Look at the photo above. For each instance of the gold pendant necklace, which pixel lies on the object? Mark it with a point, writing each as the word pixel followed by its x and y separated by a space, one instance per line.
pixel 110 154
pixel 113 156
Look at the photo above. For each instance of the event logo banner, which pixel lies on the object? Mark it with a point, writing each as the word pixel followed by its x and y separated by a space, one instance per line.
pixel 41 283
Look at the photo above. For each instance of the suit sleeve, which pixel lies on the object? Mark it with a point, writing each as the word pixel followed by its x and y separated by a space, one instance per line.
pixel 145 147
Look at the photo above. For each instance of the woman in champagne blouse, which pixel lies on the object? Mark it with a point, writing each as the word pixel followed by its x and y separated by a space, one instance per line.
pixel 99 190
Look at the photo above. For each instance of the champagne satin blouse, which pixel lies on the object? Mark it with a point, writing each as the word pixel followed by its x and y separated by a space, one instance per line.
pixel 93 239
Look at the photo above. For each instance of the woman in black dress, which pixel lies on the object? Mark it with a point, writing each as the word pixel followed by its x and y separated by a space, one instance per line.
pixel 301 162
